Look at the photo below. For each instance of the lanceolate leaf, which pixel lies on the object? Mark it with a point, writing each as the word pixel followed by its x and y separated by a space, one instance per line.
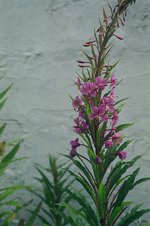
pixel 123 126
pixel 124 145
pixel 34 215
pixel 116 212
pixel 3 93
pixel 74 215
pixel 85 172
pixel 2 128
pixel 125 188
pixel 109 158
pixel 117 172
pixel 9 157
pixel 11 203
pixel 102 200
pixel 133 215
pixel 141 181
pixel 2 103
pixel 120 107
pixel 56 182
pixel 122 100
pixel 90 215
pixel 85 185
pixel 100 135
pixel 47 186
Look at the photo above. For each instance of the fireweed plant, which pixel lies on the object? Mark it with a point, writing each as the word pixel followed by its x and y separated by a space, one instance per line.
pixel 9 204
pixel 55 197
pixel 97 126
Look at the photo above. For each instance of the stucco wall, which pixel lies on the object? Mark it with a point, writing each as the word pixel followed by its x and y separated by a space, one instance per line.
pixel 40 41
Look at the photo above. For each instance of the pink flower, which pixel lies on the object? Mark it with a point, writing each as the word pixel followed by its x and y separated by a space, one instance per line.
pixel 84 125
pixel 77 129
pixel 112 94
pixel 98 112
pixel 122 154
pixel 81 114
pixel 117 138
pixel 114 118
pixel 109 144
pixel 112 130
pixel 113 81
pixel 77 102
pixel 80 126
pixel 105 118
pixel 101 83
pixel 88 89
pixel 109 102
pixel 74 144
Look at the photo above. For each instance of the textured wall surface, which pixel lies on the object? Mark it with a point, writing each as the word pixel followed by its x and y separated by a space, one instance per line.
pixel 40 41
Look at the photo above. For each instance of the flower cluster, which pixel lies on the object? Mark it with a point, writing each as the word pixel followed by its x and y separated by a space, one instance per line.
pixel 96 104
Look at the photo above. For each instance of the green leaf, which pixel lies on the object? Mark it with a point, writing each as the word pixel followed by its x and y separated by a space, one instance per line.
pixel 102 199
pixel 85 184
pixel 34 215
pixel 145 225
pixel 125 188
pixel 2 103
pixel 21 222
pixel 49 195
pixel 89 58
pixel 6 192
pixel 118 171
pixel 73 216
pixel 132 216
pixel 124 145
pixel 85 171
pixel 123 126
pixel 119 108
pixel 3 93
pixel 93 52
pixel 10 217
pixel 90 215
pixel 92 157
pixel 141 181
pixel 8 158
pixel 55 182
pixel 2 128
pixel 109 157
pixel 122 100
pixel 11 203
pixel 100 135
pixel 107 54
pixel 116 212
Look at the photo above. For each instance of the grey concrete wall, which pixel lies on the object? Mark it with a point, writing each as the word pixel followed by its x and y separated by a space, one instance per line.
pixel 40 41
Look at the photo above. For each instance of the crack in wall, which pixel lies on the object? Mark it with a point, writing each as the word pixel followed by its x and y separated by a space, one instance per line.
pixel 52 7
